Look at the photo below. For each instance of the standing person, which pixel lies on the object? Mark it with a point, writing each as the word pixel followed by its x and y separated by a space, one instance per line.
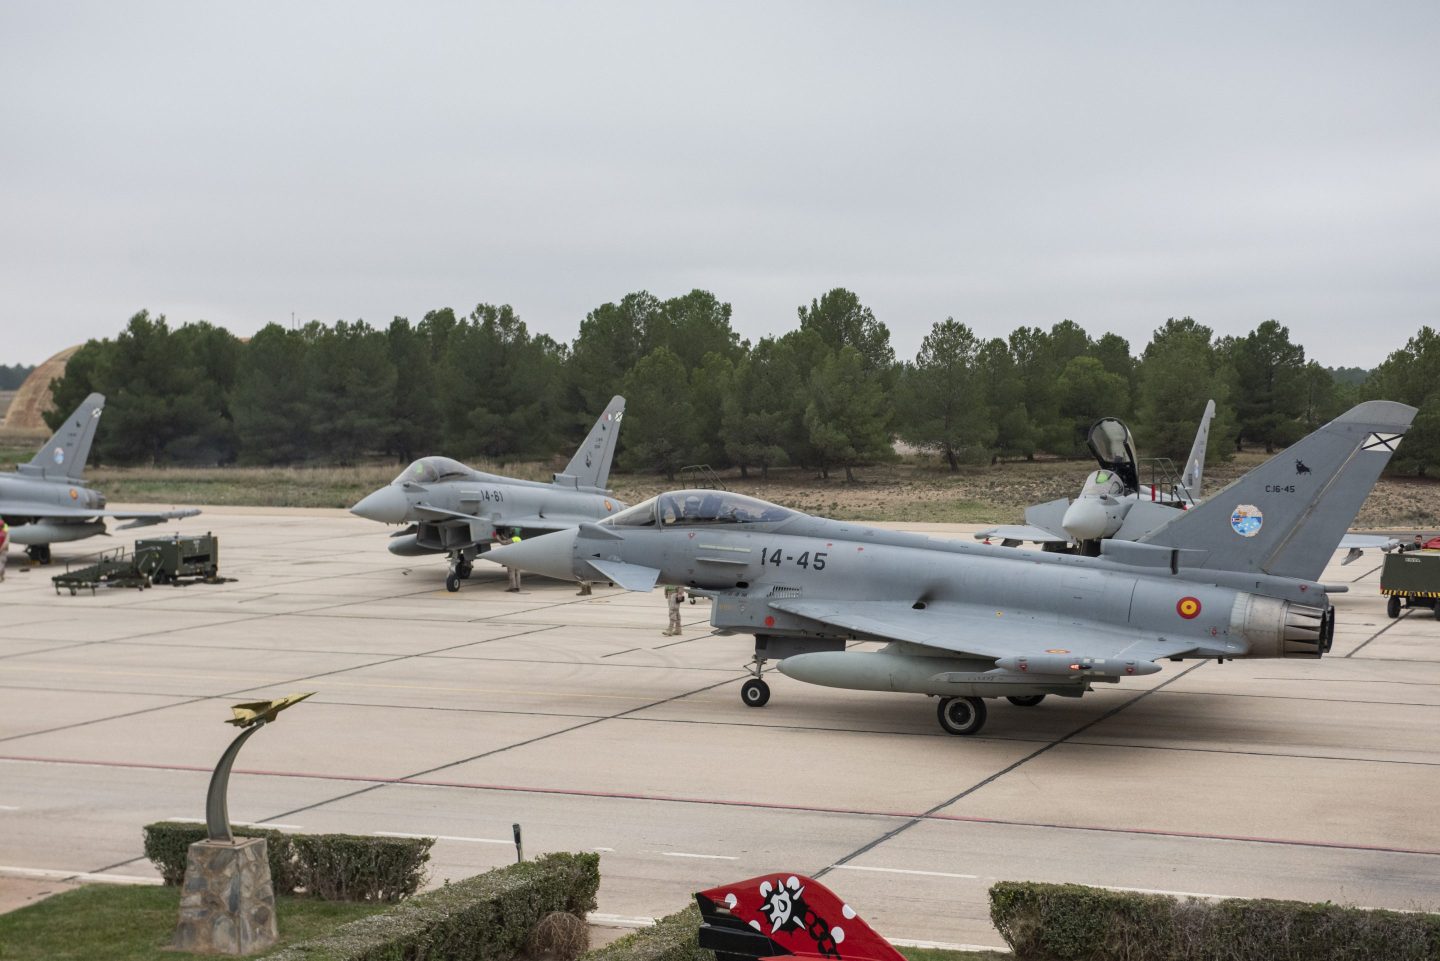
pixel 4 548
pixel 501 539
pixel 674 597
pixel 584 589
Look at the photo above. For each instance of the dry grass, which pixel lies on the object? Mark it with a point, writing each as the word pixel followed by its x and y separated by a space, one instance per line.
pixel 917 488
pixel 559 935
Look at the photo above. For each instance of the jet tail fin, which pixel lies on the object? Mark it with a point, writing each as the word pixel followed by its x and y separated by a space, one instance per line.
pixel 1287 516
pixel 590 467
pixel 781 915
pixel 1192 478
pixel 64 455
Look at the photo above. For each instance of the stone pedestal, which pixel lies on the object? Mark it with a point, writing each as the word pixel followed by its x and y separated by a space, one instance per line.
pixel 227 905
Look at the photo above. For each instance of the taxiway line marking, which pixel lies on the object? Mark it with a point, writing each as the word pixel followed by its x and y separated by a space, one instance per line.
pixel 243 824
pixel 705 857
pixel 928 874
pixel 440 837
pixel 739 803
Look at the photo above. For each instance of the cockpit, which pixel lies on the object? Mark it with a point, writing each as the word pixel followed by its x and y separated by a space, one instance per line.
pixel 432 470
pixel 696 508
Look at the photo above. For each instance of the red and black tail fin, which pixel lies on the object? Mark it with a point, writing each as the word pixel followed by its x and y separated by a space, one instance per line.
pixel 781 914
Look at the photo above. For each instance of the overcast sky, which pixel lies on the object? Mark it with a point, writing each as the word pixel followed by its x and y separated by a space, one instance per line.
pixel 1001 163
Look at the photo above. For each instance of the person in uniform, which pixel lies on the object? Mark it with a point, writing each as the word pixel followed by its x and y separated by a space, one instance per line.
pixel 1414 545
pixel 584 589
pixel 674 597
pixel 501 539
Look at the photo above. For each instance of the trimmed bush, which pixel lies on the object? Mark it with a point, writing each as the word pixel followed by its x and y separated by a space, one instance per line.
pixel 334 867
pixel 672 938
pixel 559 935
pixel 168 842
pixel 349 867
pixel 1069 922
pixel 485 918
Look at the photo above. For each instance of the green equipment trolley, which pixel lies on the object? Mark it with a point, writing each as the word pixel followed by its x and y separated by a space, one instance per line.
pixel 1411 579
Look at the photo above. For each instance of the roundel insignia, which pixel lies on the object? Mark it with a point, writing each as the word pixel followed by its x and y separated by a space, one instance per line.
pixel 1246 520
pixel 74 494
pixel 1188 607
pixel 609 506
pixel 59 455
pixel 1057 650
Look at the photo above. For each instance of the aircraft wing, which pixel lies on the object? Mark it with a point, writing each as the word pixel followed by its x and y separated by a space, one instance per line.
pixel 1023 532
pixel 966 629
pixel 60 512
pixel 1363 541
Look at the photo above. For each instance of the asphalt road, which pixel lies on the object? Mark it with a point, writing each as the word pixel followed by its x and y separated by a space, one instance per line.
pixel 456 715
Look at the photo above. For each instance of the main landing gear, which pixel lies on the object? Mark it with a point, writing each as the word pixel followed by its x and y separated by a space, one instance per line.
pixel 961 715
pixel 39 553
pixel 755 692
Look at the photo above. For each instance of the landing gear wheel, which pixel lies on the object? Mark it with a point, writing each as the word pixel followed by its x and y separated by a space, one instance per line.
pixel 755 693
pixel 1029 700
pixel 961 715
pixel 463 569
pixel 1392 606
pixel 452 582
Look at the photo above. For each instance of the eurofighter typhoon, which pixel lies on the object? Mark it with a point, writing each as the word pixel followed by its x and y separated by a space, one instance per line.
pixel 1235 576
pixel 46 501
pixel 454 510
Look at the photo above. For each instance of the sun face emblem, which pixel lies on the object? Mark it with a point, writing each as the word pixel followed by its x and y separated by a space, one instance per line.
pixel 780 901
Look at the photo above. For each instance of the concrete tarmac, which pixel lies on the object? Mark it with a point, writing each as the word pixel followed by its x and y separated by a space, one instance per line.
pixel 457 715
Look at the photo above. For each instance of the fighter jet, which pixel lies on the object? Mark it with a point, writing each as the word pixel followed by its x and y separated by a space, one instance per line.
pixel 1236 576
pixel 1110 496
pixel 1114 503
pixel 454 510
pixel 46 502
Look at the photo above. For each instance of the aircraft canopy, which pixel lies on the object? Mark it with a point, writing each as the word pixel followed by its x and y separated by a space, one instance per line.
pixel 699 507
pixel 430 470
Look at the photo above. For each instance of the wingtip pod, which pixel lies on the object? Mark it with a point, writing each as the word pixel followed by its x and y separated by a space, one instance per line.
pixel 779 914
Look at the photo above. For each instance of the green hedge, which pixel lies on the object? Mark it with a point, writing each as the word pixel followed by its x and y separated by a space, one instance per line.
pixel 334 867
pixel 484 918
pixel 1068 922
pixel 673 938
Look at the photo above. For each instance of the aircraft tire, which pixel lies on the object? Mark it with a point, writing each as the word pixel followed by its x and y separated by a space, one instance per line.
pixel 755 693
pixel 452 582
pixel 1392 606
pixel 961 715
pixel 1029 700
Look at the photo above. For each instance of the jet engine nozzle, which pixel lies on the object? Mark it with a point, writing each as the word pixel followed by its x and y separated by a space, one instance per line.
pixel 552 555
pixel 388 505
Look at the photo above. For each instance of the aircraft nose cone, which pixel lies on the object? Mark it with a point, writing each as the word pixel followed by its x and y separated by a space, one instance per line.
pixel 1085 520
pixel 552 555
pixel 388 505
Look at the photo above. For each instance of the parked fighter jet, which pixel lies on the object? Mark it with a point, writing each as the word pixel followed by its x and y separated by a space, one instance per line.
pixel 45 501
pixel 452 509
pixel 1113 502
pixel 1232 577
pixel 1110 495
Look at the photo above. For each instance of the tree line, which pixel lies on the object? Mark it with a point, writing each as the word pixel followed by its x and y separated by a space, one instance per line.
pixel 828 395
pixel 11 377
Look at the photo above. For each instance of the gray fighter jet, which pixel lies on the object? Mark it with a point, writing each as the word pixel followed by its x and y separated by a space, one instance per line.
pixel 46 501
pixel 1235 576
pixel 454 510
pixel 1110 496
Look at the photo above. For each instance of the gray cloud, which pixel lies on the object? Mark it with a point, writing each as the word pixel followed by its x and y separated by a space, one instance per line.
pixel 1113 163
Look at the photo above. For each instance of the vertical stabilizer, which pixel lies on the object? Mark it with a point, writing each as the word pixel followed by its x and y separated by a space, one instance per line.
pixel 64 455
pixel 1193 477
pixel 590 467
pixel 1287 516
